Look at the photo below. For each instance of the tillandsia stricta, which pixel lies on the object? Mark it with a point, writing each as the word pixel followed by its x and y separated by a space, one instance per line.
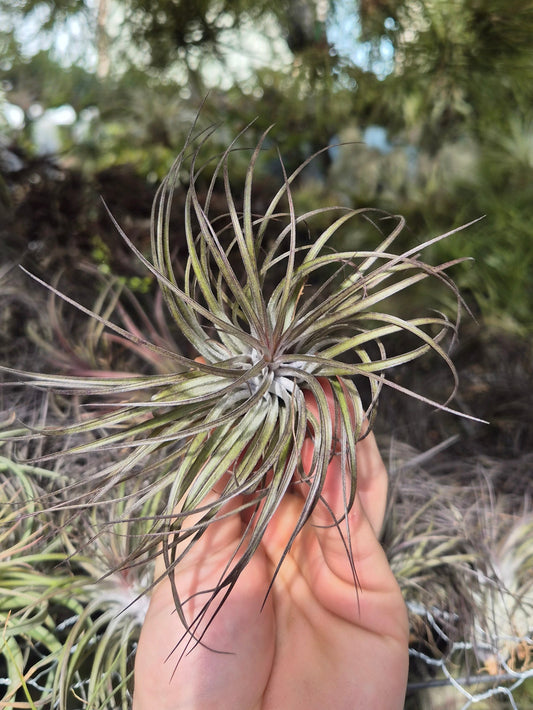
pixel 270 319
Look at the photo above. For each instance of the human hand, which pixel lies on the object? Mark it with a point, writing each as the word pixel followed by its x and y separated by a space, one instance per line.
pixel 319 641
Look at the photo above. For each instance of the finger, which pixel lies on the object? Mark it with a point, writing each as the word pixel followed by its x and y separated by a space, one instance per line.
pixel 229 669
pixel 218 534
pixel 371 481
pixel 344 566
pixel 355 547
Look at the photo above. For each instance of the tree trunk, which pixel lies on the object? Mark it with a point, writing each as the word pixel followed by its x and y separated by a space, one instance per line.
pixel 102 40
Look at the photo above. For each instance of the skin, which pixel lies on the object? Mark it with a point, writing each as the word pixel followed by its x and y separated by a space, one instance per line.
pixel 316 642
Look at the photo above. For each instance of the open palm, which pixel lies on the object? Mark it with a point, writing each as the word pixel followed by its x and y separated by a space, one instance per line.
pixel 317 642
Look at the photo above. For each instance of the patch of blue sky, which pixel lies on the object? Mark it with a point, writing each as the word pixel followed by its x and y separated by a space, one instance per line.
pixel 344 33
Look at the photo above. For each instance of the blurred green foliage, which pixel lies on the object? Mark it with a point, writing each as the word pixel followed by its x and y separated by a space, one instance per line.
pixel 454 106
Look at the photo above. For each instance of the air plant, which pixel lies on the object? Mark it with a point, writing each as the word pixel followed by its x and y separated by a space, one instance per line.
pixel 429 546
pixel 96 350
pixel 462 556
pixel 71 603
pixel 505 639
pixel 269 316
pixel 96 662
pixel 32 589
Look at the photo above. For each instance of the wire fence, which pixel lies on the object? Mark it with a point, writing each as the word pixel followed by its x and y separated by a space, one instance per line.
pixel 501 674
pixel 460 541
